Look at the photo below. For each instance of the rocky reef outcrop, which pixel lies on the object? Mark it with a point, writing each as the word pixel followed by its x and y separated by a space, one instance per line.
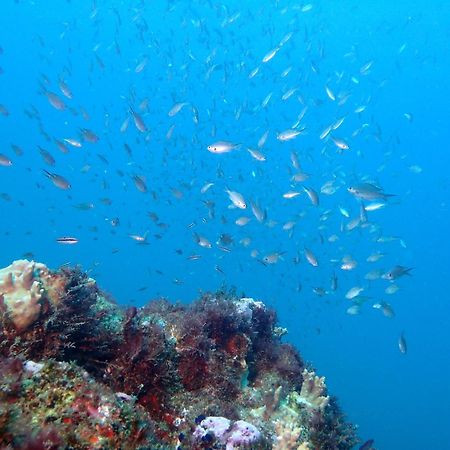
pixel 79 371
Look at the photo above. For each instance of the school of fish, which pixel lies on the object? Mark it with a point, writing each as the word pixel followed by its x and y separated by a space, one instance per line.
pixel 259 156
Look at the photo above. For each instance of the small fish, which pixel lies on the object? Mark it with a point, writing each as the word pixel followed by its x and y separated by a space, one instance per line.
pixel 340 143
pixel 138 121
pixel 256 155
pixel 368 191
pixel 262 140
pixel 288 135
pixel 374 206
pixel 236 199
pixel 334 282
pixel 330 93
pixel 312 194
pixel 258 212
pixel 367 445
pixel 353 292
pixel 344 212
pixel 202 241
pixel 177 108
pixel 73 142
pixel 206 187
pixel 354 310
pixel 268 56
pixel 222 147
pixel 291 194
pixel 55 101
pixel 403 347
pixel 242 221
pixel 273 258
pixel 140 183
pixel 141 65
pixel 396 272
pixel 311 258
pixel 64 88
pixel 89 135
pixel 142 239
pixel 59 181
pixel 5 161
pixel 385 308
pixel 47 157
pixel 348 263
pixel 391 289
pixel 374 257
pixel 373 275
pixel 67 240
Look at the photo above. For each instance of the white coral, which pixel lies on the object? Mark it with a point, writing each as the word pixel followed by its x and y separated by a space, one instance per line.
pixel 21 292
pixel 313 388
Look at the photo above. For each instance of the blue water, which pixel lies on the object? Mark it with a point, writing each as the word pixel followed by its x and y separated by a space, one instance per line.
pixel 203 53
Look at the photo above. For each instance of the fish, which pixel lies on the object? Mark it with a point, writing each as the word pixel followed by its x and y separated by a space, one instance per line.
pixel 340 143
pixel 385 308
pixel 333 282
pixel 73 142
pixel 256 155
pixel 65 89
pixel 258 212
pixel 268 56
pixel 140 183
pixel 138 121
pixel 344 212
pixel 5 161
pixel 330 93
pixel 367 445
pixel 55 101
pixel 202 241
pixel 291 194
pixel 58 180
pixel 402 345
pixel 237 199
pixel 273 258
pixel 312 194
pixel 220 147
pixel 67 240
pixel 375 206
pixel 391 289
pixel 368 191
pixel 353 292
pixel 177 108
pixel 396 272
pixel 374 257
pixel 311 258
pixel 242 221
pixel 288 135
pixel 354 310
pixel 206 187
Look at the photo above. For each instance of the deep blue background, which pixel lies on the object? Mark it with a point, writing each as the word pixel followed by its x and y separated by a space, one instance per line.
pixel 196 54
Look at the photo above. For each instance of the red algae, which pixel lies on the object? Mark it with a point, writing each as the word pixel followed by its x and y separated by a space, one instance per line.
pixel 87 373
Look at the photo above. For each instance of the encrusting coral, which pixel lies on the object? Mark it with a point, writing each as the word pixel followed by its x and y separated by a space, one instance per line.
pixel 212 374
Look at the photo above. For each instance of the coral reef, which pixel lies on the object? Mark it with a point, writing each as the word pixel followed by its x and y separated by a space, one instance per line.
pixel 79 371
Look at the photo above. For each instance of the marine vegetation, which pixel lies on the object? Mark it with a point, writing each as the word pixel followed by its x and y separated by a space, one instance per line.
pixel 79 371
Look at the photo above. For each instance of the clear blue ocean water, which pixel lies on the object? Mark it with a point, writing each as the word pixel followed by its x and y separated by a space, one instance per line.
pixel 381 66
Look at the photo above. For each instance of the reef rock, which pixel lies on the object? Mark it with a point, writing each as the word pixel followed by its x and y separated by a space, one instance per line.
pixel 212 374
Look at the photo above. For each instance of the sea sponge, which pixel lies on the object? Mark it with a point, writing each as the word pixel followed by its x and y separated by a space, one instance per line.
pixel 21 291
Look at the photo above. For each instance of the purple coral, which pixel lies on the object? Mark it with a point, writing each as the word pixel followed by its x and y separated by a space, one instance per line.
pixel 241 433
pixel 218 426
